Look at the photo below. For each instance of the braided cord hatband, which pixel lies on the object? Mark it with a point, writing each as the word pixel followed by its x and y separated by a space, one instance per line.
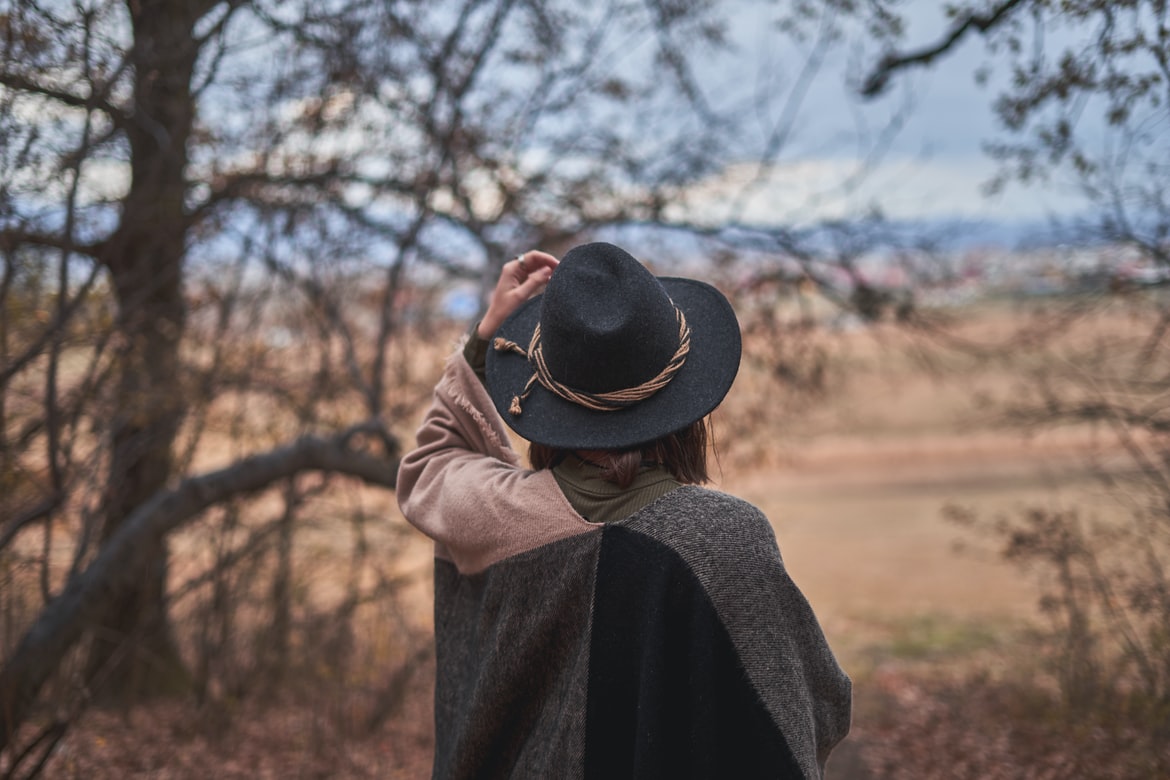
pixel 601 402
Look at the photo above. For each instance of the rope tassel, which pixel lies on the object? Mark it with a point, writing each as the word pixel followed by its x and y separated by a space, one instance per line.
pixel 600 402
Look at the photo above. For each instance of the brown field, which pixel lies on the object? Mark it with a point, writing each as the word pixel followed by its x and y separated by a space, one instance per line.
pixel 867 542
pixel 855 481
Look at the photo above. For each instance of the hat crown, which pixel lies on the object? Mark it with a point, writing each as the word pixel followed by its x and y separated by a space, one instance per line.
pixel 606 322
pixel 610 357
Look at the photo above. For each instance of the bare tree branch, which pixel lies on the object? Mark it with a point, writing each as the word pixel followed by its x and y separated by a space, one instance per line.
pixel 879 78
pixel 60 319
pixel 22 83
pixel 11 238
pixel 38 512
pixel 63 620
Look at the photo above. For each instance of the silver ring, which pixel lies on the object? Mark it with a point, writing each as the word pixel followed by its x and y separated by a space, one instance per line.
pixel 523 265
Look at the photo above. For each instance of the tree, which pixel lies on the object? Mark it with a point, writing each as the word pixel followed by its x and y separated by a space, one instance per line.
pixel 174 172
pixel 1087 101
pixel 1086 89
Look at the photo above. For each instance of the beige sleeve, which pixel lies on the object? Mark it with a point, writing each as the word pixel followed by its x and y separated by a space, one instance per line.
pixel 464 487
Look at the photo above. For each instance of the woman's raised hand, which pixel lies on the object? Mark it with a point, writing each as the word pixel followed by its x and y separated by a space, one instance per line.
pixel 520 279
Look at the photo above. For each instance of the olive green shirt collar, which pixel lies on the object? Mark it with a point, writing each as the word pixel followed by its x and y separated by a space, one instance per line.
pixel 601 501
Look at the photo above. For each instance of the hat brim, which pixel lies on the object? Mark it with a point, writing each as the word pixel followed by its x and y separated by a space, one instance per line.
pixel 693 393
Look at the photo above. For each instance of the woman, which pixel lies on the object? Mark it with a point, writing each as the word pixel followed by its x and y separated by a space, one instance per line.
pixel 601 615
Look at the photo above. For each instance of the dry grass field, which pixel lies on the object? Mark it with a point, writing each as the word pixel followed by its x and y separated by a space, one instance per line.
pixel 855 480
pixel 857 495
pixel 923 613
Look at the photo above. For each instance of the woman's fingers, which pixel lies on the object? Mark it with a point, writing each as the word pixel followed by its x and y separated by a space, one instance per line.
pixel 534 261
pixel 519 280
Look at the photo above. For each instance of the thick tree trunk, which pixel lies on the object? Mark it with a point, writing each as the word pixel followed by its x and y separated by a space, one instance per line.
pixel 133 652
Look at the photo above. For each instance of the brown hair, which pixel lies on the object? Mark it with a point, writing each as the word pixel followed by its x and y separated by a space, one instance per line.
pixel 683 453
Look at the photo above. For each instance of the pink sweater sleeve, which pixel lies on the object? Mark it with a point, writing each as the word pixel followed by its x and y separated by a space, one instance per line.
pixel 464 487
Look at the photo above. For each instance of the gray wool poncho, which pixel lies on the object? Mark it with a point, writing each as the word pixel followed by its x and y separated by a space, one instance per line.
pixel 669 644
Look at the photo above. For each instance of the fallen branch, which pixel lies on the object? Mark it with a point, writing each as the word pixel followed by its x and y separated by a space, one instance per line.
pixel 63 621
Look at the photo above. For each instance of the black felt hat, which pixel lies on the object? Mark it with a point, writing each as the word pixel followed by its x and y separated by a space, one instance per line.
pixel 622 357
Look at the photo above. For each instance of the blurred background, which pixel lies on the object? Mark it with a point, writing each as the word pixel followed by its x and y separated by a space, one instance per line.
pixel 239 237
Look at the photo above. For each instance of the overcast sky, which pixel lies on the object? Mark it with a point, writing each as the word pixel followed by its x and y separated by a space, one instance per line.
pixel 934 168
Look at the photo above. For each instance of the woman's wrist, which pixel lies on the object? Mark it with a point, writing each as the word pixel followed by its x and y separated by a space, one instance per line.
pixel 487 326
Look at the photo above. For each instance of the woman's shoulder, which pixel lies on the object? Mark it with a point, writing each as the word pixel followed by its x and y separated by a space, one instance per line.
pixel 700 504
pixel 700 523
